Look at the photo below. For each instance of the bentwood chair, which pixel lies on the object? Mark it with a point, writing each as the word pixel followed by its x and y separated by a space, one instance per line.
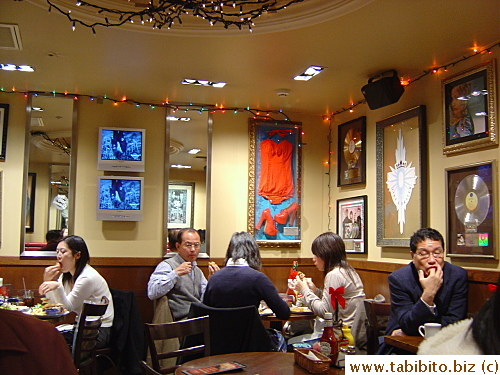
pixel 181 329
pixel 86 336
pixel 377 314
pixel 148 370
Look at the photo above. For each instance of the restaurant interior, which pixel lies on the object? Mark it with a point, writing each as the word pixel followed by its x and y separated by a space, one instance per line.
pixel 130 77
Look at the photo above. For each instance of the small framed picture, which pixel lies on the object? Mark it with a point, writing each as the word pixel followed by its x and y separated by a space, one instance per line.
pixel 471 210
pixel 469 100
pixel 351 158
pixel 180 205
pixel 4 120
pixel 351 223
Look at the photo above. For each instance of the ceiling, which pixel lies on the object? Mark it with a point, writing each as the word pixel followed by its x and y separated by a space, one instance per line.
pixel 353 39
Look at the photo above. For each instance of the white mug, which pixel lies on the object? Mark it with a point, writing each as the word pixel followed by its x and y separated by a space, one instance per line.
pixel 429 329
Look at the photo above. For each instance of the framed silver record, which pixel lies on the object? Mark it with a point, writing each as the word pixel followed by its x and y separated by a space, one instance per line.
pixel 351 157
pixel 471 210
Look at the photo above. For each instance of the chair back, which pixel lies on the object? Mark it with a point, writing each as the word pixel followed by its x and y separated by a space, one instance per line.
pixel 87 332
pixel 377 314
pixel 235 329
pixel 180 329
pixel 147 370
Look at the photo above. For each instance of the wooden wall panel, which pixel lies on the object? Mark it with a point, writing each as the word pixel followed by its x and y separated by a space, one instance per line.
pixel 133 274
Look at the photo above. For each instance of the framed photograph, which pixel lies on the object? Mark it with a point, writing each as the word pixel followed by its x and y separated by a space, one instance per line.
pixel 274 183
pixel 4 120
pixel 469 101
pixel 401 177
pixel 351 223
pixel 30 203
pixel 351 158
pixel 180 205
pixel 471 210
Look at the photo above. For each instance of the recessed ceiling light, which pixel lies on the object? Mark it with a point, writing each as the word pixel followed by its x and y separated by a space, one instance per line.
pixel 199 82
pixel 21 68
pixel 173 118
pixel 37 109
pixel 180 166
pixel 309 73
pixel 194 151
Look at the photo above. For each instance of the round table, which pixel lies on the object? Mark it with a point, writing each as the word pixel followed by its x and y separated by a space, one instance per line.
pixel 256 363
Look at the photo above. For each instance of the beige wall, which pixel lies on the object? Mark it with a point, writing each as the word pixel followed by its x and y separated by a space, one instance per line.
pixel 230 175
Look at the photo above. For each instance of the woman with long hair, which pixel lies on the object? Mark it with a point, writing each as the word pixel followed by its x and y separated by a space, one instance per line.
pixel 71 281
pixel 241 283
pixel 341 280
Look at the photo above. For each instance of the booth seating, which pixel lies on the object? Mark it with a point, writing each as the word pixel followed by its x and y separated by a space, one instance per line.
pixel 33 246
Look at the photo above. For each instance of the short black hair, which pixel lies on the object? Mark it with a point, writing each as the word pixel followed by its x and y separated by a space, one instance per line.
pixel 425 234
pixel 53 235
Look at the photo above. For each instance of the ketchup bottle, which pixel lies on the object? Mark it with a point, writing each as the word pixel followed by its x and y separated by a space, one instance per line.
pixel 328 342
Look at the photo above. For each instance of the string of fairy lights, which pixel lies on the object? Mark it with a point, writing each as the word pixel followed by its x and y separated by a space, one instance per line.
pixel 350 108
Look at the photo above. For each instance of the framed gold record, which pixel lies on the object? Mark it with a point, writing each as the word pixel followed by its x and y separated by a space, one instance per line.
pixel 351 152
pixel 471 210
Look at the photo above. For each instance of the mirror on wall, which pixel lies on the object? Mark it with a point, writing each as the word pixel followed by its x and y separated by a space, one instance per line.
pixel 48 171
pixel 188 176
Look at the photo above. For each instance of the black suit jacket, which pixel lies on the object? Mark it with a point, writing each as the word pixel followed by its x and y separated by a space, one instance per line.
pixel 408 311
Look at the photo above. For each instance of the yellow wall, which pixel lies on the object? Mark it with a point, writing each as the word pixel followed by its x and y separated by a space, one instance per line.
pixel 230 175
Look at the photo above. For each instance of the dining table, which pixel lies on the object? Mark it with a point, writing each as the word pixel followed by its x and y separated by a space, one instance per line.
pixel 408 343
pixel 277 323
pixel 256 363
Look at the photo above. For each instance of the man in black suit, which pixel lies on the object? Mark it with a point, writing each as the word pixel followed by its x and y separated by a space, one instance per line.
pixel 426 290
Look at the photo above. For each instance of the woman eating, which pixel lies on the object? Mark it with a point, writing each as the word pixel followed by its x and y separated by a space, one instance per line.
pixel 329 256
pixel 72 281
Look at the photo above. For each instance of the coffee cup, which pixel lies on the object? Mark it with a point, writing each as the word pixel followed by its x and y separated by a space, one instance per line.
pixel 429 329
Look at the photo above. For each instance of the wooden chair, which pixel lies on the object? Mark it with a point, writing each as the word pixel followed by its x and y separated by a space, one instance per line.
pixel 86 336
pixel 180 329
pixel 377 314
pixel 148 370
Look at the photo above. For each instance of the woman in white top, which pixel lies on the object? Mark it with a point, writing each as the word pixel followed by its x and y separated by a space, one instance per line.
pixel 329 256
pixel 72 281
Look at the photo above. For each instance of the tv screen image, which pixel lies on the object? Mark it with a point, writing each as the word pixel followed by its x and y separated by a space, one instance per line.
pixel 120 198
pixel 121 149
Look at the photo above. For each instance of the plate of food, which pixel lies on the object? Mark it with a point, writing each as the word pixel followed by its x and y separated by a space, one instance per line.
pixel 300 310
pixel 48 311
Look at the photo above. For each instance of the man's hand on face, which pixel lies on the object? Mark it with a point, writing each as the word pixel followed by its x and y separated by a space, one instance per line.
pixel 431 283
pixel 184 269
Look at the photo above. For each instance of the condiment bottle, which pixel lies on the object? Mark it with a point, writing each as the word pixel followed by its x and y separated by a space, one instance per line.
pixel 328 341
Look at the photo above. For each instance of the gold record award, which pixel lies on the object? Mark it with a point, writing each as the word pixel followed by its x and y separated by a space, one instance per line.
pixel 352 152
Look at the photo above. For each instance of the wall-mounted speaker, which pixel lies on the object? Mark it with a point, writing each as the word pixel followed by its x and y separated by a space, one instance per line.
pixel 383 91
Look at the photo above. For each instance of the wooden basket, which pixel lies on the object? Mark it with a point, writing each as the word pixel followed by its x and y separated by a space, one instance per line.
pixel 314 367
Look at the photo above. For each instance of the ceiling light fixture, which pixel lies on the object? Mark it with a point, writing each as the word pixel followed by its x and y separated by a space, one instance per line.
pixel 199 82
pixel 194 151
pixel 309 73
pixel 20 68
pixel 164 13
pixel 173 118
pixel 180 166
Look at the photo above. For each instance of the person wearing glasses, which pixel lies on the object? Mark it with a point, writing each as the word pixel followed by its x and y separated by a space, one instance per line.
pixel 179 277
pixel 426 290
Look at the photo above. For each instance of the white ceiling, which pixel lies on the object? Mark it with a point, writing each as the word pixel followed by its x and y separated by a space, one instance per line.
pixel 360 39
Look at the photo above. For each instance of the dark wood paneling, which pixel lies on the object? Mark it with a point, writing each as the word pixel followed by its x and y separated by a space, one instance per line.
pixel 133 274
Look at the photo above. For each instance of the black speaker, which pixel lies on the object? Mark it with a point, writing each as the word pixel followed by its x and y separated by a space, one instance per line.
pixel 384 91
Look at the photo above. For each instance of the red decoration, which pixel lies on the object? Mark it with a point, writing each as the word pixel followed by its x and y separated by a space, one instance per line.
pixel 336 297
pixel 292 275
pixel 492 287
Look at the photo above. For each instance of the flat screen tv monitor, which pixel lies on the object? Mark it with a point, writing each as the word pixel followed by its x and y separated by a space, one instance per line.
pixel 121 149
pixel 120 198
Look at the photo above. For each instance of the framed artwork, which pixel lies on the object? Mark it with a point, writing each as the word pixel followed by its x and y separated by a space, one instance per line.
pixel 30 202
pixel 469 101
pixel 4 120
pixel 471 210
pixel 401 177
pixel 180 205
pixel 351 223
pixel 274 183
pixel 351 158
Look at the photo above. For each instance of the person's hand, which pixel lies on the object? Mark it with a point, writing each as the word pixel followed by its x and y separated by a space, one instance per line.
pixel 184 269
pixel 48 286
pixel 51 273
pixel 299 285
pixel 398 332
pixel 212 268
pixel 431 283
pixel 311 285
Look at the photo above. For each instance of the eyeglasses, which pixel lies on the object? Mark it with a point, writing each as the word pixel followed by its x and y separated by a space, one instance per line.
pixel 425 254
pixel 196 245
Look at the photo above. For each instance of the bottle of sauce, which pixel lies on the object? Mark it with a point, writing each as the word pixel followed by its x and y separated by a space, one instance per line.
pixel 328 341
